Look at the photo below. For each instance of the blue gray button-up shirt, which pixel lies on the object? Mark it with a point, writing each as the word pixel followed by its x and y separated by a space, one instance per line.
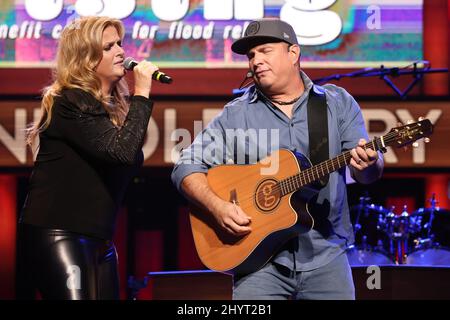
pixel 249 128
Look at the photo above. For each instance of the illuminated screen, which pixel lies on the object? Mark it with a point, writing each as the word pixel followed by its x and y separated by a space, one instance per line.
pixel 199 33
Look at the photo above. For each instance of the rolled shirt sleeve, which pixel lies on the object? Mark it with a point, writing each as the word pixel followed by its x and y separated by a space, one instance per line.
pixel 207 150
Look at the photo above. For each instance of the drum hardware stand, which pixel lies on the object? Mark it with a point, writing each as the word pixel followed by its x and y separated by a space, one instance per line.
pixel 398 227
pixel 362 204
pixel 429 241
pixel 405 225
pixel 364 244
pixel 433 208
pixel 424 243
pixel 135 285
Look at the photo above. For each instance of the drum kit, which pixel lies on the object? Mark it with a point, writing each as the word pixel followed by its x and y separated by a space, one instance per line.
pixel 383 237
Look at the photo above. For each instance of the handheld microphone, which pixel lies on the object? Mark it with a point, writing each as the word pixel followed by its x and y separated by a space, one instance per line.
pixel 129 64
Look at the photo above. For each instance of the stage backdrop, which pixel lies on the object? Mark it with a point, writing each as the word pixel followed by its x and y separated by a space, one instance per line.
pixel 174 124
pixel 199 33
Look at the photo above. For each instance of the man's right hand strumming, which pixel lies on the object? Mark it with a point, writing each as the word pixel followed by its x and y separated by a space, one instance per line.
pixel 229 216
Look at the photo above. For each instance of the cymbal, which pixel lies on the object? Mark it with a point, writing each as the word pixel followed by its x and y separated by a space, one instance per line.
pixel 427 211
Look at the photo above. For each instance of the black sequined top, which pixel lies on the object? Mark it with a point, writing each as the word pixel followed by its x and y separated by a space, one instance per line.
pixel 84 165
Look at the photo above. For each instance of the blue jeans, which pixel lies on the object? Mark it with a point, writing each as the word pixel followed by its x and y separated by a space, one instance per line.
pixel 333 281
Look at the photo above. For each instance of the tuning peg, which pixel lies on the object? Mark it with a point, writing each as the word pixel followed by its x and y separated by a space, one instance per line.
pixel 426 140
pixel 415 144
pixel 409 121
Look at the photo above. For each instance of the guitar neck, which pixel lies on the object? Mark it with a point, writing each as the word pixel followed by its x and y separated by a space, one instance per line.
pixel 399 137
pixel 324 168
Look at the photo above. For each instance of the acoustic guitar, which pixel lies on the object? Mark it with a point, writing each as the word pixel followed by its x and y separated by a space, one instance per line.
pixel 277 204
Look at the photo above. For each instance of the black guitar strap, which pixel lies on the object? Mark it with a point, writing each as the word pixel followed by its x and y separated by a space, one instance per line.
pixel 318 128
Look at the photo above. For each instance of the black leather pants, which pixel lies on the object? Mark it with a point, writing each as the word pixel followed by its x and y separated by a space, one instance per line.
pixel 65 265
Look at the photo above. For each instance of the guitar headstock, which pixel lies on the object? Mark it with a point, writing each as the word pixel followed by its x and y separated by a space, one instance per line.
pixel 408 134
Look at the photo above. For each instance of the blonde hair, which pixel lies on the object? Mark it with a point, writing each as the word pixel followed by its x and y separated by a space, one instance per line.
pixel 80 50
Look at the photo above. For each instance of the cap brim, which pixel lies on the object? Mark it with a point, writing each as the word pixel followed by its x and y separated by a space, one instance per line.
pixel 243 45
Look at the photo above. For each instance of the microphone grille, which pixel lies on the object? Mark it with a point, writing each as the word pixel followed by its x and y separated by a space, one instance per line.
pixel 129 63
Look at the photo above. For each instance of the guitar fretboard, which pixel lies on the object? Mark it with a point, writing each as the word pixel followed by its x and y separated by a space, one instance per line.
pixel 400 136
pixel 324 168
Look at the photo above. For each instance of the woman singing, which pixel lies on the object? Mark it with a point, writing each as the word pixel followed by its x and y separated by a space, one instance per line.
pixel 90 144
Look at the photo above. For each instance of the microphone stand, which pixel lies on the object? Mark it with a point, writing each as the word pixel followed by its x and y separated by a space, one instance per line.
pixel 383 73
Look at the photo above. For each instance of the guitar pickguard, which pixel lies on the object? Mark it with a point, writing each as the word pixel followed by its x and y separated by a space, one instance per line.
pixel 267 195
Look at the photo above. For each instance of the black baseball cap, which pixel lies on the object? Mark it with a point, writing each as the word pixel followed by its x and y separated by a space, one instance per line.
pixel 264 31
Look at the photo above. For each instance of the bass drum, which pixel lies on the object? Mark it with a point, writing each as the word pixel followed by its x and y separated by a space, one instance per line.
pixel 430 257
pixel 367 257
